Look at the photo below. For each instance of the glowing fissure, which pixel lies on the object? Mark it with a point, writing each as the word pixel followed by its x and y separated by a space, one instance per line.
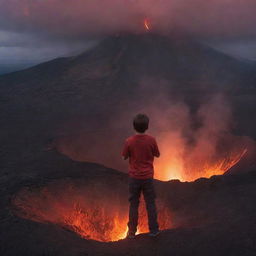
pixel 91 212
pixel 100 213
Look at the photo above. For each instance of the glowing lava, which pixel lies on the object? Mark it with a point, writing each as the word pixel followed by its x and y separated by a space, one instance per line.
pixel 92 211
pixel 172 166
pixel 147 24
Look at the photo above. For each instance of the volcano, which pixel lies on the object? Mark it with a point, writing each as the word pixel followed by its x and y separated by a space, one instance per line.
pixel 76 103
pixel 58 116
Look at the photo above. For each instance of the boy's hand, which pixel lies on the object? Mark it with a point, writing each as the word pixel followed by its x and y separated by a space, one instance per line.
pixel 125 153
pixel 156 152
pixel 157 155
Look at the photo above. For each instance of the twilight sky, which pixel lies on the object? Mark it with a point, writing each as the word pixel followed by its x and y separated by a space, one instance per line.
pixel 32 31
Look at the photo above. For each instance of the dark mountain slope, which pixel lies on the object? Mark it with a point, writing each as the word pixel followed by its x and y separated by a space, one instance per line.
pixel 38 103
pixel 134 56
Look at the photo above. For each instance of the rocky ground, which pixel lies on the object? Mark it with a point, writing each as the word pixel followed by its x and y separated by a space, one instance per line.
pixel 210 217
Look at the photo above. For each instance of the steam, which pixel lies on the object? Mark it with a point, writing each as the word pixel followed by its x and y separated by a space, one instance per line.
pixel 193 144
pixel 98 17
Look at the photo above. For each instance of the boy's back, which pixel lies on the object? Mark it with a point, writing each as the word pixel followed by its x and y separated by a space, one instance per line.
pixel 141 150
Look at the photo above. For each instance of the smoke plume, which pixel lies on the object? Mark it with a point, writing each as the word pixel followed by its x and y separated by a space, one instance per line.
pixel 97 17
pixel 193 144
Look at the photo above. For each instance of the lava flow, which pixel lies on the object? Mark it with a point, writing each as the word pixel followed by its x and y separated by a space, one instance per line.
pixel 147 24
pixel 91 211
pixel 195 167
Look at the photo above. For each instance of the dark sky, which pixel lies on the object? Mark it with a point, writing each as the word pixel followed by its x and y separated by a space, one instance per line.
pixel 33 31
pixel 20 50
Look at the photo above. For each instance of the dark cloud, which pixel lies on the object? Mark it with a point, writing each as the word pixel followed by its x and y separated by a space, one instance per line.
pixel 21 50
pixel 34 31
pixel 244 48
pixel 96 17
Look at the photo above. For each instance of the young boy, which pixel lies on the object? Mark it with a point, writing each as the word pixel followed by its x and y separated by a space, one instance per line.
pixel 141 150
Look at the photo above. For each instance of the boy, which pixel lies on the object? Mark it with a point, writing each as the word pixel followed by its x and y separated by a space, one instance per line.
pixel 141 150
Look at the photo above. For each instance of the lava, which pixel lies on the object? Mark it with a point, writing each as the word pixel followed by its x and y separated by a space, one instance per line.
pixel 147 24
pixel 90 211
pixel 173 166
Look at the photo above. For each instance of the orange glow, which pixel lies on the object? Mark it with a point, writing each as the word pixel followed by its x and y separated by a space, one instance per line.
pixel 26 11
pixel 100 216
pixel 172 165
pixel 147 24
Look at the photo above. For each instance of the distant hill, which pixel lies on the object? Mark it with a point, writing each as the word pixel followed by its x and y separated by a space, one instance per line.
pixel 5 68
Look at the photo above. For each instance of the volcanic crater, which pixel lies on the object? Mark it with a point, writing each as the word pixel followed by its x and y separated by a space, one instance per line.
pixel 95 211
pixel 67 208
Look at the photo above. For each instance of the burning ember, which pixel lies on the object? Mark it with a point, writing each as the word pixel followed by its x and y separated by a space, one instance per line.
pixel 147 24
pixel 91 211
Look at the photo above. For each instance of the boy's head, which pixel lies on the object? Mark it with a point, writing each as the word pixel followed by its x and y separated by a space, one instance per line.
pixel 140 123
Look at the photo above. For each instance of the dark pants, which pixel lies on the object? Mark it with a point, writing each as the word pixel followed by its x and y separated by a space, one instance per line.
pixel 136 186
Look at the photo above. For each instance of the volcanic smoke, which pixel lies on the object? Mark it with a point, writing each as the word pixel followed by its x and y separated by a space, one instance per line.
pixel 191 146
pixel 97 17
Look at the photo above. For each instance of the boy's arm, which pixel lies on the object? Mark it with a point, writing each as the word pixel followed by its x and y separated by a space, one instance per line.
pixel 156 151
pixel 125 153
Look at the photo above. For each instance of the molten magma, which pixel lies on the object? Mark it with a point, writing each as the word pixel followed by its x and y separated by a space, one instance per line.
pixel 147 24
pixel 172 165
pixel 89 210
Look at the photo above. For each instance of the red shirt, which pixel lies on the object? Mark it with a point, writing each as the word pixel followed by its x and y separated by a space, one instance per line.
pixel 141 150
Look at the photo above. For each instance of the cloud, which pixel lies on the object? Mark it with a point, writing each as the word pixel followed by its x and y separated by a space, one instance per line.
pixel 21 50
pixel 240 48
pixel 97 17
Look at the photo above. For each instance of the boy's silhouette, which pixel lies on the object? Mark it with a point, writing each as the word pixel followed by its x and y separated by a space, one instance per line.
pixel 141 150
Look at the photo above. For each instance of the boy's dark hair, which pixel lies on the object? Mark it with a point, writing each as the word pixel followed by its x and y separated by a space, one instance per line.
pixel 140 123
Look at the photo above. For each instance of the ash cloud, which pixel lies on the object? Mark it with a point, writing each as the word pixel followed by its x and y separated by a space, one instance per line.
pixel 97 17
